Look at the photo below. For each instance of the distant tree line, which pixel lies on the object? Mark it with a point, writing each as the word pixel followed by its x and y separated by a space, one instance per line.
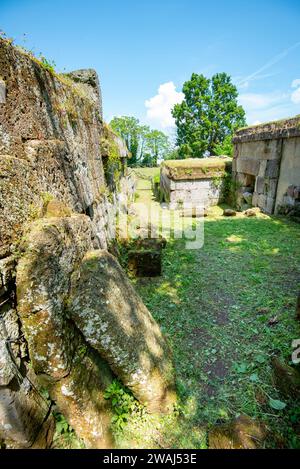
pixel 146 146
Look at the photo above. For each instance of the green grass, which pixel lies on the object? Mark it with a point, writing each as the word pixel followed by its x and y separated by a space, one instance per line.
pixel 194 163
pixel 145 173
pixel 214 306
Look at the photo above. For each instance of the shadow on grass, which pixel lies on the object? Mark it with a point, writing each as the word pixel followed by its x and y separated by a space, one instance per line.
pixel 216 305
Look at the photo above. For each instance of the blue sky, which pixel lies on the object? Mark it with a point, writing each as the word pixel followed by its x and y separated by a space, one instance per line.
pixel 144 50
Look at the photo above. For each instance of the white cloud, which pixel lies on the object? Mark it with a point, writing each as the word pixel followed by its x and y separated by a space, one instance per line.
pixel 159 106
pixel 265 107
pixel 296 83
pixel 295 96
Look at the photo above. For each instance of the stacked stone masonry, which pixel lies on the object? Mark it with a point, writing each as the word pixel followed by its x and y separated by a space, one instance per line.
pixel 266 165
pixel 59 193
pixel 196 182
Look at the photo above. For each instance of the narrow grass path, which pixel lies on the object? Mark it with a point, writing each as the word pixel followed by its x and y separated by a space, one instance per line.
pixel 216 305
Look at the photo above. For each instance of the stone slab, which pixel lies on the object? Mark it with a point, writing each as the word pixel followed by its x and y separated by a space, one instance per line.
pixel 2 92
pixel 116 323
pixel 272 169
pixel 248 166
pixel 260 185
pixel 146 263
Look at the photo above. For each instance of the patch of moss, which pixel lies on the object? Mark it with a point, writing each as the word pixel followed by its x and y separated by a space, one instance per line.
pixel 230 190
pixel 67 110
pixel 111 157
pixel 46 198
pixel 194 163
pixel 196 168
pixel 277 123
pixel 217 181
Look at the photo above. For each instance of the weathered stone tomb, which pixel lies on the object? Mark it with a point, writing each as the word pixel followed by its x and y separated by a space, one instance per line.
pixel 194 181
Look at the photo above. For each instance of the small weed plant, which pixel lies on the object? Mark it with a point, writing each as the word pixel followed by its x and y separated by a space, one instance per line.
pixel 124 405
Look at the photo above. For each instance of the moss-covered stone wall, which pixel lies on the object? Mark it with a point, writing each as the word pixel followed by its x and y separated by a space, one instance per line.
pixel 52 148
pixel 51 142
pixel 70 322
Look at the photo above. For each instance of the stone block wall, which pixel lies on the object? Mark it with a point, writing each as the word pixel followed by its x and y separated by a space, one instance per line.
pixel 50 131
pixel 56 172
pixel 195 182
pixel 51 143
pixel 266 162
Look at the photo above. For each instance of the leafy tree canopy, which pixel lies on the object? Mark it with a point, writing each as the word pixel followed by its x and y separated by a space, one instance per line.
pixel 146 146
pixel 129 130
pixel 208 116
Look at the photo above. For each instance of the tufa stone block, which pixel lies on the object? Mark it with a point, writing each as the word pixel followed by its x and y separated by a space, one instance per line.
pixel 116 323
pixel 193 212
pixel 290 191
pixel 228 212
pixel 262 200
pixel 272 169
pixel 262 168
pixel 144 263
pixel 272 188
pixel 145 257
pixel 287 379
pixel 75 376
pixel 245 180
pixel 252 212
pixel 248 166
pixel 22 413
pixel 56 208
pixel 270 202
pixel 260 185
pixel 234 165
pixel 2 92
pixel 255 199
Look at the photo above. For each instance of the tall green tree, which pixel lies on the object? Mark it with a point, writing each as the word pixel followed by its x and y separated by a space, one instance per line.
pixel 128 128
pixel 145 145
pixel 144 131
pixel 157 145
pixel 208 115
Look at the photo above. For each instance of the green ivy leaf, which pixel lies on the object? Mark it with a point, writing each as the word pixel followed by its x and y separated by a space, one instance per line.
pixel 260 358
pixel 254 378
pixel 276 404
pixel 241 367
